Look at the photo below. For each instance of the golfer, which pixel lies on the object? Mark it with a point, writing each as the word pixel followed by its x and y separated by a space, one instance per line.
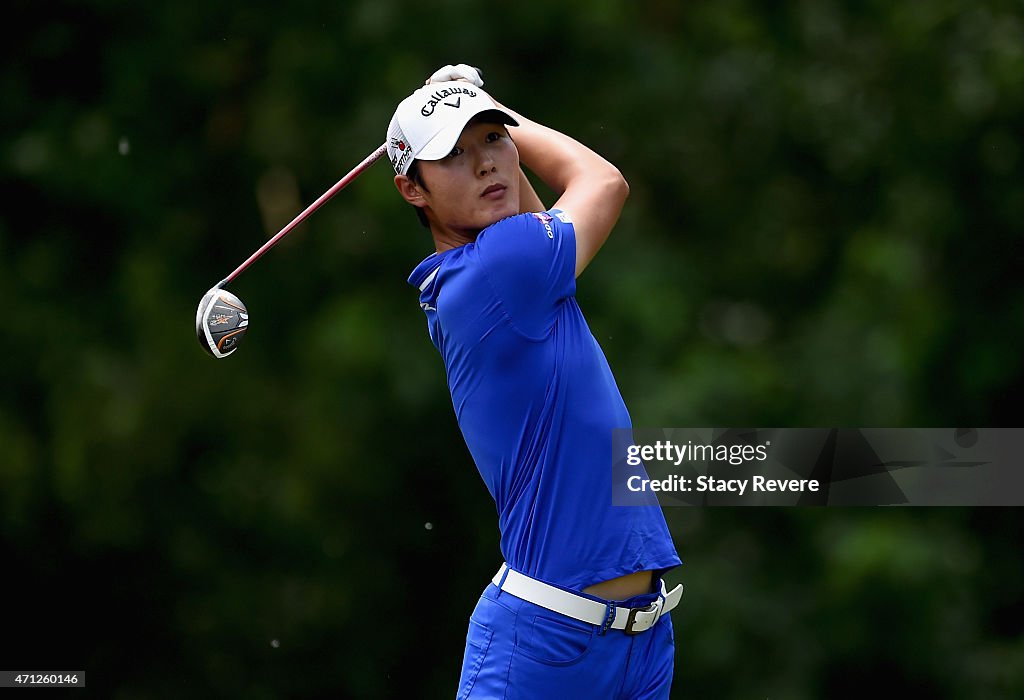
pixel 579 609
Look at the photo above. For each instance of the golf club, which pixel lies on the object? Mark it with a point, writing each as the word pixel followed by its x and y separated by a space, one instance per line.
pixel 222 319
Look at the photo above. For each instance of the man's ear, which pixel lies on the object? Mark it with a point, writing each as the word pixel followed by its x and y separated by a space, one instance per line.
pixel 410 191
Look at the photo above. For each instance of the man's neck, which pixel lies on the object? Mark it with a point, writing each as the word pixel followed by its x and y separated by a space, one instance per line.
pixel 446 239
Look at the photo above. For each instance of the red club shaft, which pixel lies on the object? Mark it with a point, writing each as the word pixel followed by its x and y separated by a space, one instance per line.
pixel 338 187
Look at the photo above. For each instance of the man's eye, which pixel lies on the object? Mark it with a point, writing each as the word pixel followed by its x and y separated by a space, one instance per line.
pixel 455 152
pixel 493 136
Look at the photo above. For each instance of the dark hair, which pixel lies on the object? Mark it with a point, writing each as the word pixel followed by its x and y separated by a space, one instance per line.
pixel 414 174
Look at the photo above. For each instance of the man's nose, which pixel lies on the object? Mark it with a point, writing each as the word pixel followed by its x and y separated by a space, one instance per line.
pixel 485 164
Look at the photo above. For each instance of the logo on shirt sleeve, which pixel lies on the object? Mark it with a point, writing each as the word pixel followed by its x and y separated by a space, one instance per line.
pixel 562 216
pixel 545 219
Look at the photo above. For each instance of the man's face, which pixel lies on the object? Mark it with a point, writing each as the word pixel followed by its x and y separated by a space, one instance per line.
pixel 477 184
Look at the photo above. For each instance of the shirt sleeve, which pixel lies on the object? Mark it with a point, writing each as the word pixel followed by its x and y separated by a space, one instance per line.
pixel 530 260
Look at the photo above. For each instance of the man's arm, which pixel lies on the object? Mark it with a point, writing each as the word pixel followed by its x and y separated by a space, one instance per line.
pixel 529 200
pixel 590 189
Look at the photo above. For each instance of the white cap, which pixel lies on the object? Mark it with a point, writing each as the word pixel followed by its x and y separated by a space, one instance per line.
pixel 428 123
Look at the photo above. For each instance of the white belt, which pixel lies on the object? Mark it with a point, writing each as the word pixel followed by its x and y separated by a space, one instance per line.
pixel 629 620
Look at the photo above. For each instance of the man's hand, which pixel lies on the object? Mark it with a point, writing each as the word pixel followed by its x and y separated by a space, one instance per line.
pixel 461 72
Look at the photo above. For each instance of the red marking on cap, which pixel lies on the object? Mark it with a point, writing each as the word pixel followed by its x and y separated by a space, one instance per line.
pixel 401 145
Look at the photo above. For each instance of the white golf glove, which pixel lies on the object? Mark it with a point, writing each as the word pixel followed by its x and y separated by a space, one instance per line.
pixel 460 72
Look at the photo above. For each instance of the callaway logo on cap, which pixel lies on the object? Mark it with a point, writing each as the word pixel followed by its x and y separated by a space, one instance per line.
pixel 428 123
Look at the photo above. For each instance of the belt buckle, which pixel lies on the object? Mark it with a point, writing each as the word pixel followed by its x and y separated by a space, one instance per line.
pixel 631 618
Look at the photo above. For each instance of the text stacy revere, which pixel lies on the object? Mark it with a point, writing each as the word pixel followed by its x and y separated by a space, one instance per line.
pixel 701 484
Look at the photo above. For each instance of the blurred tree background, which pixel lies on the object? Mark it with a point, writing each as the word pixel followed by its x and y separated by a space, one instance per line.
pixel 824 230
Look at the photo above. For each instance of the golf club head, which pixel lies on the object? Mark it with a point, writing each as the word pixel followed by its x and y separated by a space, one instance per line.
pixel 221 322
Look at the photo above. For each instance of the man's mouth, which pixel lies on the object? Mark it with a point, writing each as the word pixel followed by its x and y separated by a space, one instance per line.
pixel 493 192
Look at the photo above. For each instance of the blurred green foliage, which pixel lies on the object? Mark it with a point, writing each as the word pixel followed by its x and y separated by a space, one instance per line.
pixel 824 230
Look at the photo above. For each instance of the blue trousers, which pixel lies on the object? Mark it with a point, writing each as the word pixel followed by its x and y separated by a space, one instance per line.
pixel 516 649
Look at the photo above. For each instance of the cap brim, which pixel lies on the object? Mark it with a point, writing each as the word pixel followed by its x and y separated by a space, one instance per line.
pixel 444 141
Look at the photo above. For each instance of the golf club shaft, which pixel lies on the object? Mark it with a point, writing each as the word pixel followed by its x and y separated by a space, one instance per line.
pixel 338 187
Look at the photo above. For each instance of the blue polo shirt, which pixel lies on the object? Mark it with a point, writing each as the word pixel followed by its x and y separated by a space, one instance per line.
pixel 536 402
